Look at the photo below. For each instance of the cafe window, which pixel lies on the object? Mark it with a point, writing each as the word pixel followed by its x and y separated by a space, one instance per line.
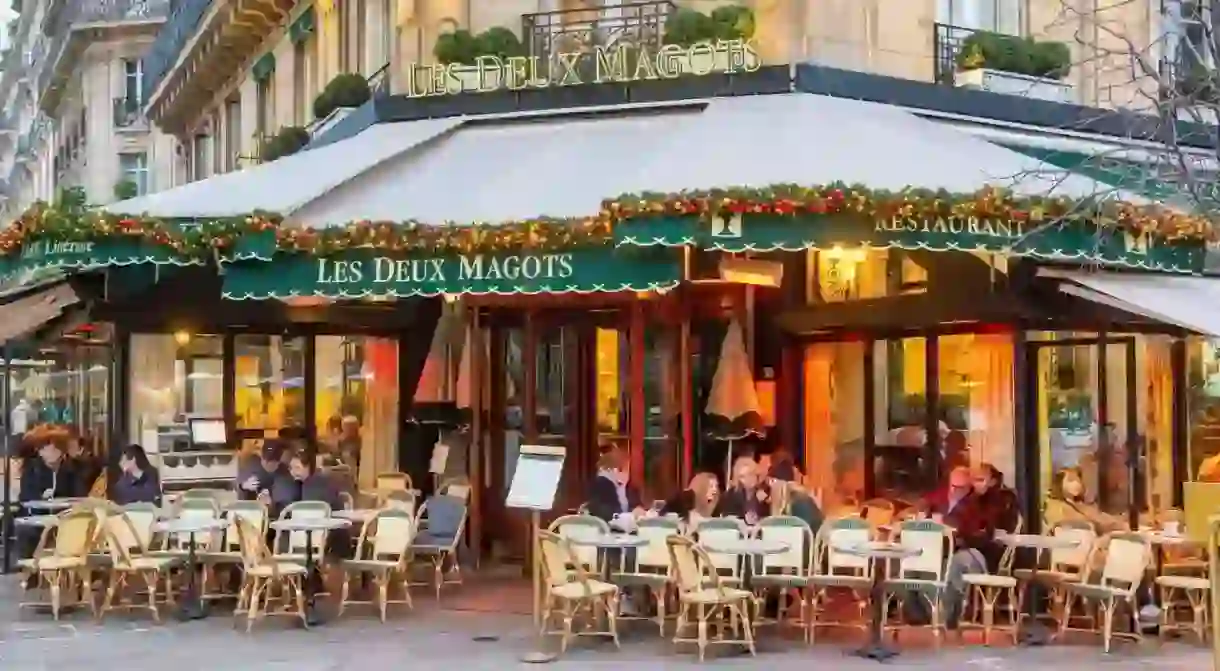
pixel 269 376
pixel 834 422
pixel 173 376
pixel 1203 405
pixel 976 401
pixel 662 425
pixel 901 462
pixel 856 273
pixel 611 362
pixel 356 399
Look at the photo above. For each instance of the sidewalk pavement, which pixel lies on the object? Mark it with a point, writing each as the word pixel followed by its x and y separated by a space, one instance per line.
pixel 432 638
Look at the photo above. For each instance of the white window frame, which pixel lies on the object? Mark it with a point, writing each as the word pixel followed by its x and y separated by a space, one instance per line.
pixel 133 166
pixel 136 74
pixel 973 14
pixel 1175 24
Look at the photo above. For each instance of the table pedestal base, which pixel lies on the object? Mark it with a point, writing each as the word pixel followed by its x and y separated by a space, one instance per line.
pixel 192 609
pixel 1034 633
pixel 876 651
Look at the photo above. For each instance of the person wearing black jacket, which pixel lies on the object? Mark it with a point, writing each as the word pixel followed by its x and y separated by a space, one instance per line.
pixel 139 482
pixel 745 498
pixel 611 493
pixel 46 475
pixel 86 466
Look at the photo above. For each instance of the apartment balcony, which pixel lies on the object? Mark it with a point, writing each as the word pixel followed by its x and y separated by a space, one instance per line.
pixel 129 114
pixel 576 30
pixel 1006 64
pixel 86 21
pixel 202 45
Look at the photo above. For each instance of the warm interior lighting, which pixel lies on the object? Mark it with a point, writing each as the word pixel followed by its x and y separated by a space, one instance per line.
pixel 183 338
pixel 752 272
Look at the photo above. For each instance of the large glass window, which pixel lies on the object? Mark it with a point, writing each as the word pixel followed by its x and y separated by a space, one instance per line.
pixel 1203 404
pixel 357 402
pixel 901 464
pixel 849 274
pixel 662 428
pixel 173 375
pixel 611 362
pixel 270 382
pixel 834 422
pixel 976 401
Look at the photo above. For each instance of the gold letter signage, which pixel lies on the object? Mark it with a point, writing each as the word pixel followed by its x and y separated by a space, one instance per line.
pixel 622 63
pixel 1004 229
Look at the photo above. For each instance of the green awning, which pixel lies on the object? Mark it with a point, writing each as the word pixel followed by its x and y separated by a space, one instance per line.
pixel 79 255
pixel 363 273
pixel 263 68
pixel 1069 241
pixel 303 27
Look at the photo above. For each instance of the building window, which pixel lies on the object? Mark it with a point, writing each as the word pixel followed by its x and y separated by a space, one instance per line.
pixel 264 104
pixel 346 33
pixel 133 81
pixel 387 32
pixel 1000 16
pixel 232 133
pixel 1190 25
pixel 134 169
pixel 358 28
pixel 304 70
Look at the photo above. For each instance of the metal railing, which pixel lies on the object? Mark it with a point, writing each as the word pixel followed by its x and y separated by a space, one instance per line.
pixel 129 113
pixel 172 38
pixel 379 82
pixel 947 42
pixel 546 34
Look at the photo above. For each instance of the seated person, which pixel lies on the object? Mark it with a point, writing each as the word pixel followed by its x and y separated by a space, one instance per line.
pixel 86 465
pixel 789 497
pixel 959 506
pixel 698 500
pixel 139 481
pixel 746 498
pixel 46 475
pixel 1068 501
pixel 267 472
pixel 611 493
pixel 308 484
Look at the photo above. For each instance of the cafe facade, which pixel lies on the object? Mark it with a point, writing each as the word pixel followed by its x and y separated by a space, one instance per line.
pixel 583 265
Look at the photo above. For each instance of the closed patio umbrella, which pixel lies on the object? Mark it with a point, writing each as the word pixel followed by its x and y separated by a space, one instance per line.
pixel 732 407
pixel 463 388
pixel 434 399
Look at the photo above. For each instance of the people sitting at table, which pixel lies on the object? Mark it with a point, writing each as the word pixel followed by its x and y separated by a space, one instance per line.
pixel 789 496
pixel 1068 500
pixel 138 481
pixel 746 498
pixel 309 484
pixel 44 476
pixel 86 465
pixel 958 506
pixel 612 497
pixel 266 472
pixel 698 501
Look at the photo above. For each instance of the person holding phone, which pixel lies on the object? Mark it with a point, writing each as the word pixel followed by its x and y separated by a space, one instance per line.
pixel 747 497
pixel 267 476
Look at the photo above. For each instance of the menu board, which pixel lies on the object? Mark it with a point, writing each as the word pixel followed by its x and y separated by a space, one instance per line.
pixel 536 477
pixel 440 458
pixel 208 431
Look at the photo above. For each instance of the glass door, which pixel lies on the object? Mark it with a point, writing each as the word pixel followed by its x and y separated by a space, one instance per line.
pixel 1085 418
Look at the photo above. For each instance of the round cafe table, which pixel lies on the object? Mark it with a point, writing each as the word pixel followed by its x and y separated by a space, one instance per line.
pixel 311 525
pixel 51 505
pixel 606 542
pixel 37 521
pixel 879 553
pixel 1034 632
pixel 746 547
pixel 193 606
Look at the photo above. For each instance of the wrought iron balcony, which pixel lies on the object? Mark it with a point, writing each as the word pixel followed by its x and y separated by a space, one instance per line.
pixel 129 113
pixel 183 21
pixel 571 30
pixel 947 43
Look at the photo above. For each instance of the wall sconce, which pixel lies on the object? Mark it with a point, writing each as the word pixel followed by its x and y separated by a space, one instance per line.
pixel 183 338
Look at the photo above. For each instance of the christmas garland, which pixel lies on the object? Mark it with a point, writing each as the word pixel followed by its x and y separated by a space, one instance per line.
pixel 872 204
pixel 221 236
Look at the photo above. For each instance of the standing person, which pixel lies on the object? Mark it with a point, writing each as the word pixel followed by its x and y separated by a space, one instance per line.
pixel 746 498
pixel 611 494
pixel 139 482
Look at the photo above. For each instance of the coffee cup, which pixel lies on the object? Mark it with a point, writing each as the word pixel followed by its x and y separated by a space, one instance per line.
pixel 1173 528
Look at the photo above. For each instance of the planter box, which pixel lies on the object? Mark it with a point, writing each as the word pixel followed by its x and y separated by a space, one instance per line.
pixel 1010 83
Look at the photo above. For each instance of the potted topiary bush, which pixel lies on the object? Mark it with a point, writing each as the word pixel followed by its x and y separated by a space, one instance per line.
pixel 125 189
pixel 1014 65
pixel 345 90
pixel 288 141
pixel 688 27
pixel 462 49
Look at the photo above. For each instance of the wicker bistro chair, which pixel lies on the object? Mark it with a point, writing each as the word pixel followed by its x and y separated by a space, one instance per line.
pixel 984 591
pixel 652 569
pixel 922 576
pixel 128 559
pixel 571 592
pixel 64 565
pixel 263 573
pixel 1194 592
pixel 837 570
pixel 201 507
pixel 227 554
pixel 437 540
pixel 383 551
pixel 1065 564
pixel 1128 556
pixel 583 526
pixel 728 566
pixel 787 572
pixel 291 545
pixel 703 593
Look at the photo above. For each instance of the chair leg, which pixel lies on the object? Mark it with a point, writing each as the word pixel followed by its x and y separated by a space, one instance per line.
pixel 701 613
pixel 150 582
pixel 116 580
pixel 1107 627
pixel 344 593
pixel 297 587
pixel 383 595
pixel 257 587
pixel 56 579
pixel 747 631
pixel 611 605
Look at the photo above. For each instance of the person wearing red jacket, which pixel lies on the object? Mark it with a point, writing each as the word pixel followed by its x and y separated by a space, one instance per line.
pixel 960 507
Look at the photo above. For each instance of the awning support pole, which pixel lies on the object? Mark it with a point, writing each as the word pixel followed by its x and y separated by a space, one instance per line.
pixel 6 406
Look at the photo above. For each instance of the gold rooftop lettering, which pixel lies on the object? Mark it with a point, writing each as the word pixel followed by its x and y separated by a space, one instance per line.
pixel 622 63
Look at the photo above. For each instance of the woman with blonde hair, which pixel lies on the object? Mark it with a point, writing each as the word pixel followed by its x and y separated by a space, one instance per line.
pixel 701 497
pixel 746 497
pixel 1068 501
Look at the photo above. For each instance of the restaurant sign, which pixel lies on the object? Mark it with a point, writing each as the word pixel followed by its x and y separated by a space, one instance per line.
pixel 365 272
pixel 622 63
pixel 87 254
pixel 1075 241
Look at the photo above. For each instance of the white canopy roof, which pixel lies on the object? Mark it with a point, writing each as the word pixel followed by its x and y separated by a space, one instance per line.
pixel 285 185
pixel 1192 303
pixel 500 168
